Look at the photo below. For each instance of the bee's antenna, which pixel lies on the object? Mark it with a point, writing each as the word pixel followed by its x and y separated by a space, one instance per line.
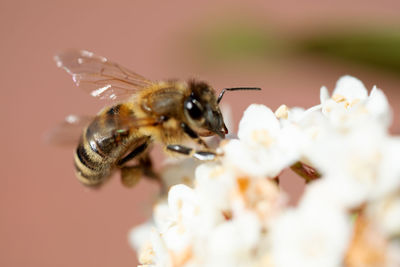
pixel 235 89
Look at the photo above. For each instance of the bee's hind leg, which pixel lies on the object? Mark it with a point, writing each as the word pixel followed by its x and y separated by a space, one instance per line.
pixel 197 154
pixel 147 166
pixel 130 175
pixel 134 153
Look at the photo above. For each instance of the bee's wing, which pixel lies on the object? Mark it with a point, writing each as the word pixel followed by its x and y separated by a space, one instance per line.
pixel 68 132
pixel 99 76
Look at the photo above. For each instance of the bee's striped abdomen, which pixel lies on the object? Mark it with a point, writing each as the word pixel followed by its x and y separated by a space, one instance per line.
pixel 103 143
pixel 91 167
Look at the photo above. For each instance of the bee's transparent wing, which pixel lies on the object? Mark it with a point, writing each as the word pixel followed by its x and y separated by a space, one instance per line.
pixel 99 76
pixel 68 132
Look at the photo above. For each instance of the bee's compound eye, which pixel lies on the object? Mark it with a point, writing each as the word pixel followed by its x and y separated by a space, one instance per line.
pixel 194 108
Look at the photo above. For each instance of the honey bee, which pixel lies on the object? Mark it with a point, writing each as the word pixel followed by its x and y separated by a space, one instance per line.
pixel 143 112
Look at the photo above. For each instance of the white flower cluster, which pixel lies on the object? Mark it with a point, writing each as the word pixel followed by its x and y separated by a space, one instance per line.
pixel 231 212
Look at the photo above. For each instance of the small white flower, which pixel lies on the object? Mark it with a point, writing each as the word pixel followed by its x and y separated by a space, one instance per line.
pixel 386 214
pixel 261 196
pixel 350 104
pixel 306 127
pixel 329 194
pixel 179 172
pixel 214 186
pixel 264 149
pixel 259 126
pixel 182 202
pixel 231 243
pixel 310 236
pixel 140 235
pixel 160 254
pixel 352 89
pixel 388 169
pixel 360 162
pixel 162 215
pixel 378 105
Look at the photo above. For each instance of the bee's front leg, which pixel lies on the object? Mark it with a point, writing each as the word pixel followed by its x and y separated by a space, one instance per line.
pixel 197 154
pixel 192 134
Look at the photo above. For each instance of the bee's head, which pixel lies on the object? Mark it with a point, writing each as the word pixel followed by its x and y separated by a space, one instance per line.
pixel 202 111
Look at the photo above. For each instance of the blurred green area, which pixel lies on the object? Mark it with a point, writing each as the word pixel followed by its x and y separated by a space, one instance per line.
pixel 377 48
pixel 235 42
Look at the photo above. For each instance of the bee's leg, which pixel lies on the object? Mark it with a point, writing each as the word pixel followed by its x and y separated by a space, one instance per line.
pixel 197 154
pixel 192 134
pixel 137 151
pixel 130 175
pixel 147 165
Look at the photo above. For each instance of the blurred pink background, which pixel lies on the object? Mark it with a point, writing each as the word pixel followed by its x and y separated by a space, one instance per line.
pixel 47 217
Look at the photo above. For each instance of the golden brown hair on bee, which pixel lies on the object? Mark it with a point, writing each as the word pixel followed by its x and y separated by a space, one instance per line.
pixel 143 112
pixel 103 144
